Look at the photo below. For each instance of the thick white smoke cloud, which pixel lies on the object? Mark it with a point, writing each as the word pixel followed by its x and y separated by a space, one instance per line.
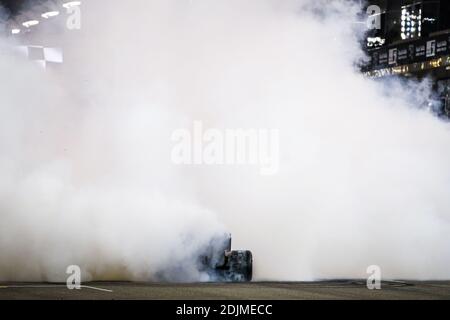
pixel 86 176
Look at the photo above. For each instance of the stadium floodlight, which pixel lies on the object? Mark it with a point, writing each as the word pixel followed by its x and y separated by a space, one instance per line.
pixel 15 31
pixel 50 14
pixel 30 23
pixel 71 4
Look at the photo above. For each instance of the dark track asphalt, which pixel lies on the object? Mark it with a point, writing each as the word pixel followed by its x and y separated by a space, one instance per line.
pixel 346 289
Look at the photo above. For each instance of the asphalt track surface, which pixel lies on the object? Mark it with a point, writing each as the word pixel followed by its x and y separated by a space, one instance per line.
pixel 324 290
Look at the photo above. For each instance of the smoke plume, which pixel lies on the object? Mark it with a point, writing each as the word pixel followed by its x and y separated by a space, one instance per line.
pixel 86 174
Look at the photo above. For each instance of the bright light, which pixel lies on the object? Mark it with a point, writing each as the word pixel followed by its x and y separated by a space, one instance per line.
pixel 71 4
pixel 375 42
pixel 50 14
pixel 15 31
pixel 411 18
pixel 30 23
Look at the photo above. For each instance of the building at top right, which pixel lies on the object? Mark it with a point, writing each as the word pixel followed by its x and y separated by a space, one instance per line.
pixel 411 38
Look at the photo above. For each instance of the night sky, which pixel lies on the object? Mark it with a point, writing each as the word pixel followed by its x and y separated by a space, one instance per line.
pixel 14 6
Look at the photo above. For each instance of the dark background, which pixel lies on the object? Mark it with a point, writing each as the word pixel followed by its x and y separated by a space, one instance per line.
pixel 13 6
